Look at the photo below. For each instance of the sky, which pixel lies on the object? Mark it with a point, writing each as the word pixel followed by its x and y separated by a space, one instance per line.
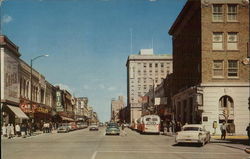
pixel 89 41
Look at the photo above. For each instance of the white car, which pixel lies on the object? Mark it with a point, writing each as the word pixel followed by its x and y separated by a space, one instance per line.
pixel 193 133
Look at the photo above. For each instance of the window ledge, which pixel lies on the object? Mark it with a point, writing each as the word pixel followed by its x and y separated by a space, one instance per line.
pixel 233 21
pixel 218 50
pixel 233 78
pixel 218 78
pixel 233 50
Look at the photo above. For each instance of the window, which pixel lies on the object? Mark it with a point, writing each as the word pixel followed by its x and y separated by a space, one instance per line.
pixel 233 68
pixel 144 65
pixel 218 68
pixel 156 65
pixel 139 80
pixel 232 12
pixel 145 86
pixel 226 102
pixel 217 41
pixel 162 64
pixel 150 64
pixel 217 13
pixel 232 41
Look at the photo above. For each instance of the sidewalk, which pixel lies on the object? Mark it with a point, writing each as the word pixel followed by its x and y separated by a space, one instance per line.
pixel 36 133
pixel 240 137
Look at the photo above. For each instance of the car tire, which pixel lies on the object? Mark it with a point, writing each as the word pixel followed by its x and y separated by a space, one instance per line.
pixel 203 143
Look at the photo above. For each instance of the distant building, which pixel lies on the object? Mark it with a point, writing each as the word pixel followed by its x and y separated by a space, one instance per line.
pixel 143 71
pixel 116 106
pixel 211 68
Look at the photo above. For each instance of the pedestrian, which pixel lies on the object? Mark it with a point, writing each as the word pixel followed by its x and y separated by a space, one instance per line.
pixel 23 130
pixel 4 130
pixel 248 133
pixel 18 130
pixel 123 131
pixel 12 132
pixel 44 127
pixel 223 129
pixel 8 131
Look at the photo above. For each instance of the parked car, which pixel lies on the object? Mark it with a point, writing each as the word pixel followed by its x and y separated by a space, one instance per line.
pixel 93 127
pixel 112 129
pixel 73 126
pixel 193 133
pixel 63 129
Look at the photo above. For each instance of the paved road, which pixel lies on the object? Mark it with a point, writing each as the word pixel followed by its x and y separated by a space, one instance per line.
pixel 83 144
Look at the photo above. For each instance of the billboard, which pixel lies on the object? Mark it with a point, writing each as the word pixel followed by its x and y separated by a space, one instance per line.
pixel 10 78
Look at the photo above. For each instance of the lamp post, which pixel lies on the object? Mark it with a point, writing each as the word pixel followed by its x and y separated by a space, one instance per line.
pixel 31 69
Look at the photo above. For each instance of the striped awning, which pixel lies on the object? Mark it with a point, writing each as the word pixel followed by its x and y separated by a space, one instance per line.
pixel 66 118
pixel 18 112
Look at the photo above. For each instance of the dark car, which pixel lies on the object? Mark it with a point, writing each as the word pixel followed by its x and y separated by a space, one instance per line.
pixel 112 129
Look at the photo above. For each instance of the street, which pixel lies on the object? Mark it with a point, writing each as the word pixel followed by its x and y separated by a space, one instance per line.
pixel 85 144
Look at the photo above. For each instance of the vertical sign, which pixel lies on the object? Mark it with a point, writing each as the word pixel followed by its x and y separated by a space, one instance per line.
pixel 59 107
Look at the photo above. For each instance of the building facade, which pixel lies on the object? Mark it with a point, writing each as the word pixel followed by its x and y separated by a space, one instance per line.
pixel 116 106
pixel 144 71
pixel 211 68
pixel 10 88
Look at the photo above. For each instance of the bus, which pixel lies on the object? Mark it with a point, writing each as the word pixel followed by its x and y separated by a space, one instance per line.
pixel 149 124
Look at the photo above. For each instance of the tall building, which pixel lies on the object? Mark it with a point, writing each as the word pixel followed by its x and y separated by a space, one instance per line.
pixel 211 68
pixel 143 71
pixel 116 106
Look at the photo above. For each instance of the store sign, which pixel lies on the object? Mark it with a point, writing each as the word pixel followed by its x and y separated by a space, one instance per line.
pixel 11 81
pixel 42 110
pixel 59 106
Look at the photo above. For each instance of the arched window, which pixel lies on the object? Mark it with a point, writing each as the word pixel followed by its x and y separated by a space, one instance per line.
pixel 226 101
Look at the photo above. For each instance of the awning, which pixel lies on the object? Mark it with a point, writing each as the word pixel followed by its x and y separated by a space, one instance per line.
pixel 18 112
pixel 66 118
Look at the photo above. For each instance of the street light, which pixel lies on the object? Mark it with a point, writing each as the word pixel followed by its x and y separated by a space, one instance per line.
pixel 31 69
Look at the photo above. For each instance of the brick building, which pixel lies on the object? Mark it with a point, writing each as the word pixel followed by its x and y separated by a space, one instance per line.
pixel 210 64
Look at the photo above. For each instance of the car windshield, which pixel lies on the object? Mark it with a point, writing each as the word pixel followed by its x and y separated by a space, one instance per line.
pixel 190 129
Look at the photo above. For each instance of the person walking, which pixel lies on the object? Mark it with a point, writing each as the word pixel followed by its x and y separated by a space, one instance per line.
pixel 12 131
pixel 18 130
pixel 248 133
pixel 223 129
pixel 23 129
pixel 8 131
pixel 4 130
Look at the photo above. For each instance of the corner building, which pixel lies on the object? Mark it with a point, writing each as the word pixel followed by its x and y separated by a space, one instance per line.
pixel 211 64
pixel 143 71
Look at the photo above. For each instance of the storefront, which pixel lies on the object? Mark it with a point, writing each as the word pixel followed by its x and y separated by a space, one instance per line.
pixel 38 113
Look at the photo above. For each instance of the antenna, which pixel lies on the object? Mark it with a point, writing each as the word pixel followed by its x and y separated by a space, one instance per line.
pixel 131 40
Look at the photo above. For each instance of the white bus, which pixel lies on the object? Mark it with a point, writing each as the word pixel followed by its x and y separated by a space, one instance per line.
pixel 150 124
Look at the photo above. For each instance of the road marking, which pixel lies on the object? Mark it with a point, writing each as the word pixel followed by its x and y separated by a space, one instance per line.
pixel 94 155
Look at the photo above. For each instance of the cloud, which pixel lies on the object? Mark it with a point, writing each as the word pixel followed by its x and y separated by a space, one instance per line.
pixel 152 0
pixel 6 19
pixel 86 87
pixel 102 86
pixel 112 88
pixel 66 87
